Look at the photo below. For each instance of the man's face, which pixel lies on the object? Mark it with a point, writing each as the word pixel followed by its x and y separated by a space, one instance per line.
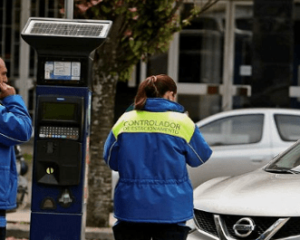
pixel 3 72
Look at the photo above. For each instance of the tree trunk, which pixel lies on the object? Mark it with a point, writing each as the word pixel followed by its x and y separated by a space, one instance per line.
pixel 99 177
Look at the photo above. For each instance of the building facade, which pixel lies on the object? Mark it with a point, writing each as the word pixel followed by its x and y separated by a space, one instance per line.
pixel 21 60
pixel 211 59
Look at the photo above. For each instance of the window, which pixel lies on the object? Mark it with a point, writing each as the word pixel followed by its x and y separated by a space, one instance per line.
pixel 288 127
pixel 244 129
pixel 242 71
pixel 201 46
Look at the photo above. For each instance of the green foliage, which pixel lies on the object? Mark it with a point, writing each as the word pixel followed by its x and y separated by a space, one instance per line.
pixel 140 28
pixel 27 157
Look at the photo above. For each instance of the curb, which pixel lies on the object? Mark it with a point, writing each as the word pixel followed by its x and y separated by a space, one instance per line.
pixel 17 230
pixel 21 230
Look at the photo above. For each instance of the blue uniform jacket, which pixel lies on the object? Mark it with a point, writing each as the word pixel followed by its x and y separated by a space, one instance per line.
pixel 15 128
pixel 150 150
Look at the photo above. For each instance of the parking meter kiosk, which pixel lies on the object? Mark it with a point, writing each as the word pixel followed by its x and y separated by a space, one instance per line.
pixel 62 122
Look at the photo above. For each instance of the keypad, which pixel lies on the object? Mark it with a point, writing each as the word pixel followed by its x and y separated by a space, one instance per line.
pixel 59 132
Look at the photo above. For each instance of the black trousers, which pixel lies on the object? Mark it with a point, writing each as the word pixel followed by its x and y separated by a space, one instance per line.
pixel 2 229
pixel 2 233
pixel 148 231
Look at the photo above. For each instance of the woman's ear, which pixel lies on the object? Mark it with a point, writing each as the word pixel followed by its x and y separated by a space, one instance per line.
pixel 169 95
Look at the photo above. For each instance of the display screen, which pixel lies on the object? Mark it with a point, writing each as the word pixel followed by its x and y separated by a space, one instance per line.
pixel 59 111
pixel 59 70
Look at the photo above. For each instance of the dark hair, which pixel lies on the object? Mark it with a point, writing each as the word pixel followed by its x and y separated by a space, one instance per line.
pixel 153 87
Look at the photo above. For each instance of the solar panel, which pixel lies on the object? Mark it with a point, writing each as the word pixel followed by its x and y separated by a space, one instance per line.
pixel 67 28
pixel 65 37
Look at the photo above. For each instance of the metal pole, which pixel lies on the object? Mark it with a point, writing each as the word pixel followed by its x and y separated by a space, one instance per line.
pixel 229 53
pixel 24 83
pixel 69 9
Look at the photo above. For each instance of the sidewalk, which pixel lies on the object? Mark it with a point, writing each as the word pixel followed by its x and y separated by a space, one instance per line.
pixel 18 226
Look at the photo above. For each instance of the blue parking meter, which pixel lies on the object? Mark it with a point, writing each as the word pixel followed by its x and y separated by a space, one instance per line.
pixel 62 124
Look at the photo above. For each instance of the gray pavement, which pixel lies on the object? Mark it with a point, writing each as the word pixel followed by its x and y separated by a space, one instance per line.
pixel 18 222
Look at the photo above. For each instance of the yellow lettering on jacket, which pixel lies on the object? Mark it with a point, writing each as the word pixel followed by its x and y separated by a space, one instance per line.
pixel 172 123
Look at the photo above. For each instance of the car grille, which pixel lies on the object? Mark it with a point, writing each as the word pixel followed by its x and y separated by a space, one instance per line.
pixel 205 222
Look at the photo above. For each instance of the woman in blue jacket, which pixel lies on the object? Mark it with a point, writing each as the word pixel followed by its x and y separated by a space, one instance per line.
pixel 15 128
pixel 150 147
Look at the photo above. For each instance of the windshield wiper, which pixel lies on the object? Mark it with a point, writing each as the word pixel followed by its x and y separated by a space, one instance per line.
pixel 282 170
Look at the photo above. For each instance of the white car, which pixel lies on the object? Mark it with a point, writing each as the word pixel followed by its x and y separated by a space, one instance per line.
pixel 260 205
pixel 244 140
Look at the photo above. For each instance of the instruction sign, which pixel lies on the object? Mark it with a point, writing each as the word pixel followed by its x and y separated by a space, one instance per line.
pixel 59 70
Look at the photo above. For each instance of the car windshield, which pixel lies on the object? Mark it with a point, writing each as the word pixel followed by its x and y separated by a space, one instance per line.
pixel 288 161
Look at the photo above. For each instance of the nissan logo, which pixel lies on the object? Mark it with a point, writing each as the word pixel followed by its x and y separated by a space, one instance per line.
pixel 244 227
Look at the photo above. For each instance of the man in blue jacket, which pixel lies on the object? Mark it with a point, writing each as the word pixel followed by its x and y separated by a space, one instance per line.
pixel 15 128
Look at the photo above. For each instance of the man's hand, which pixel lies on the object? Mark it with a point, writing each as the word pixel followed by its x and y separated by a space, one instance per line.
pixel 6 90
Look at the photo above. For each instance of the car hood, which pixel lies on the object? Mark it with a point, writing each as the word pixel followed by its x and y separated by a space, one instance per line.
pixel 258 193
